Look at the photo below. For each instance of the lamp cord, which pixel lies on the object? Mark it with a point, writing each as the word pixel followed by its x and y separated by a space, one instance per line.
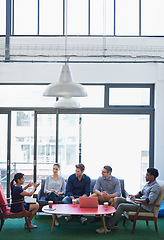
pixel 104 28
pixel 66 20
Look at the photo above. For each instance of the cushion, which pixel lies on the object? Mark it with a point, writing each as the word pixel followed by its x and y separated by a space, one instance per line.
pixel 3 200
pixel 161 210
pixel 150 214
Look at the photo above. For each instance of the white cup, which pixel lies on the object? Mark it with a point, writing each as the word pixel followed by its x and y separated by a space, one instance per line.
pixel 74 202
pixel 50 204
pixel 105 205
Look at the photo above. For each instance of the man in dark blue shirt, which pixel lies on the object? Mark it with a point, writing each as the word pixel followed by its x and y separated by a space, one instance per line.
pixel 78 185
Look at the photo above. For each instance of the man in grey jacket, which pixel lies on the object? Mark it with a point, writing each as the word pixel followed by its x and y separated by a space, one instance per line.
pixel 148 194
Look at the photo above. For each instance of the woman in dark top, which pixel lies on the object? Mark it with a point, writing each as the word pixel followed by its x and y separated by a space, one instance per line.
pixel 18 194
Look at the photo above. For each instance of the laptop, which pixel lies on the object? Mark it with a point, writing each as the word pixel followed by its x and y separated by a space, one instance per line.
pixel 88 202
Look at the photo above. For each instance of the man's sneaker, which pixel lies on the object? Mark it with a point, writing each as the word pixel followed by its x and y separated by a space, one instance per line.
pixel 83 220
pixel 95 219
pixel 56 223
pixel 115 227
pixel 101 230
pixel 68 219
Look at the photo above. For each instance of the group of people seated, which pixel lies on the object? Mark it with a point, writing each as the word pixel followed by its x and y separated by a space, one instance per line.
pixel 107 189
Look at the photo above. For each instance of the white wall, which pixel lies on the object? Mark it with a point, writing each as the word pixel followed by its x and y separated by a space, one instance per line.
pixel 81 72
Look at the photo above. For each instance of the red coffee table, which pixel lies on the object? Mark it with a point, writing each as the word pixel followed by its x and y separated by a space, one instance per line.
pixel 69 209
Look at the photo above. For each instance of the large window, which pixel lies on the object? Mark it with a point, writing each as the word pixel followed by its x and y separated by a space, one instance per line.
pixel 129 96
pixel 127 17
pixel 84 17
pixel 46 144
pixel 114 127
pixel 22 144
pixel 25 17
pixel 77 16
pixel 69 142
pixel 119 141
pixel 101 17
pixel 152 17
pixel 51 17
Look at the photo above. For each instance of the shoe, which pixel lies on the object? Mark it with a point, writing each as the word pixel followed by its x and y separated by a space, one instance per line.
pixel 83 220
pixel 56 223
pixel 101 230
pixel 31 226
pixel 115 227
pixel 59 215
pixel 68 219
pixel 95 219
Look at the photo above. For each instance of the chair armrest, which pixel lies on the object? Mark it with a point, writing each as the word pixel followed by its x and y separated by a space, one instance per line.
pixel 150 204
pixel 7 204
pixel 137 201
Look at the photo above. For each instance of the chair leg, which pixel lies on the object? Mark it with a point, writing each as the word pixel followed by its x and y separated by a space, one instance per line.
pixel 155 223
pixel 134 224
pixel 124 221
pixel 147 223
pixel 2 222
pixel 27 224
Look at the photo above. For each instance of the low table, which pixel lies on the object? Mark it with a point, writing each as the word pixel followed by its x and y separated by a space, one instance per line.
pixel 69 209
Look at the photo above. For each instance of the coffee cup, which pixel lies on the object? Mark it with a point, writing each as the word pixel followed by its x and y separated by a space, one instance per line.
pixel 106 205
pixel 74 202
pixel 50 204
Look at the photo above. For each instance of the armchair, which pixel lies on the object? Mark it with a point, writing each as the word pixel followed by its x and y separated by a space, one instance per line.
pixel 147 216
pixel 6 213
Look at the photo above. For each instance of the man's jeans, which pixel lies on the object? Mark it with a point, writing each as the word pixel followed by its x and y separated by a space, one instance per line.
pixel 121 206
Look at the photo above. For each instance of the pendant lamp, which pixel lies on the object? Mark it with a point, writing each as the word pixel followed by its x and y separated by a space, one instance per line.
pixel 65 88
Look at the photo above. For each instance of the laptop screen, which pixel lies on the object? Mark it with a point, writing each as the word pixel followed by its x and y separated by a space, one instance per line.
pixel 88 202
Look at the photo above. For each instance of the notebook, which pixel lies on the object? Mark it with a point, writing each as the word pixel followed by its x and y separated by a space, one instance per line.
pixel 29 199
pixel 88 202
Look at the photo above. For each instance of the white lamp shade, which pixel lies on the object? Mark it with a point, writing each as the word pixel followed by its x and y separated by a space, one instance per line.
pixel 65 87
pixel 67 103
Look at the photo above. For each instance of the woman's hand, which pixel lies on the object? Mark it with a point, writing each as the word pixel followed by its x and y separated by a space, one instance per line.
pixel 36 185
pixel 30 184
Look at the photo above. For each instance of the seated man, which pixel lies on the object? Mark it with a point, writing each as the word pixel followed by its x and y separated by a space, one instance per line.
pixel 78 185
pixel 107 188
pixel 148 194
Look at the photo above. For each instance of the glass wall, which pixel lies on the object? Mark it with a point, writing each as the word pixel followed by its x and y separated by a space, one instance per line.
pixel 103 132
pixel 3 151
pixel 119 141
pixel 46 144
pixel 69 143
pixel 22 144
